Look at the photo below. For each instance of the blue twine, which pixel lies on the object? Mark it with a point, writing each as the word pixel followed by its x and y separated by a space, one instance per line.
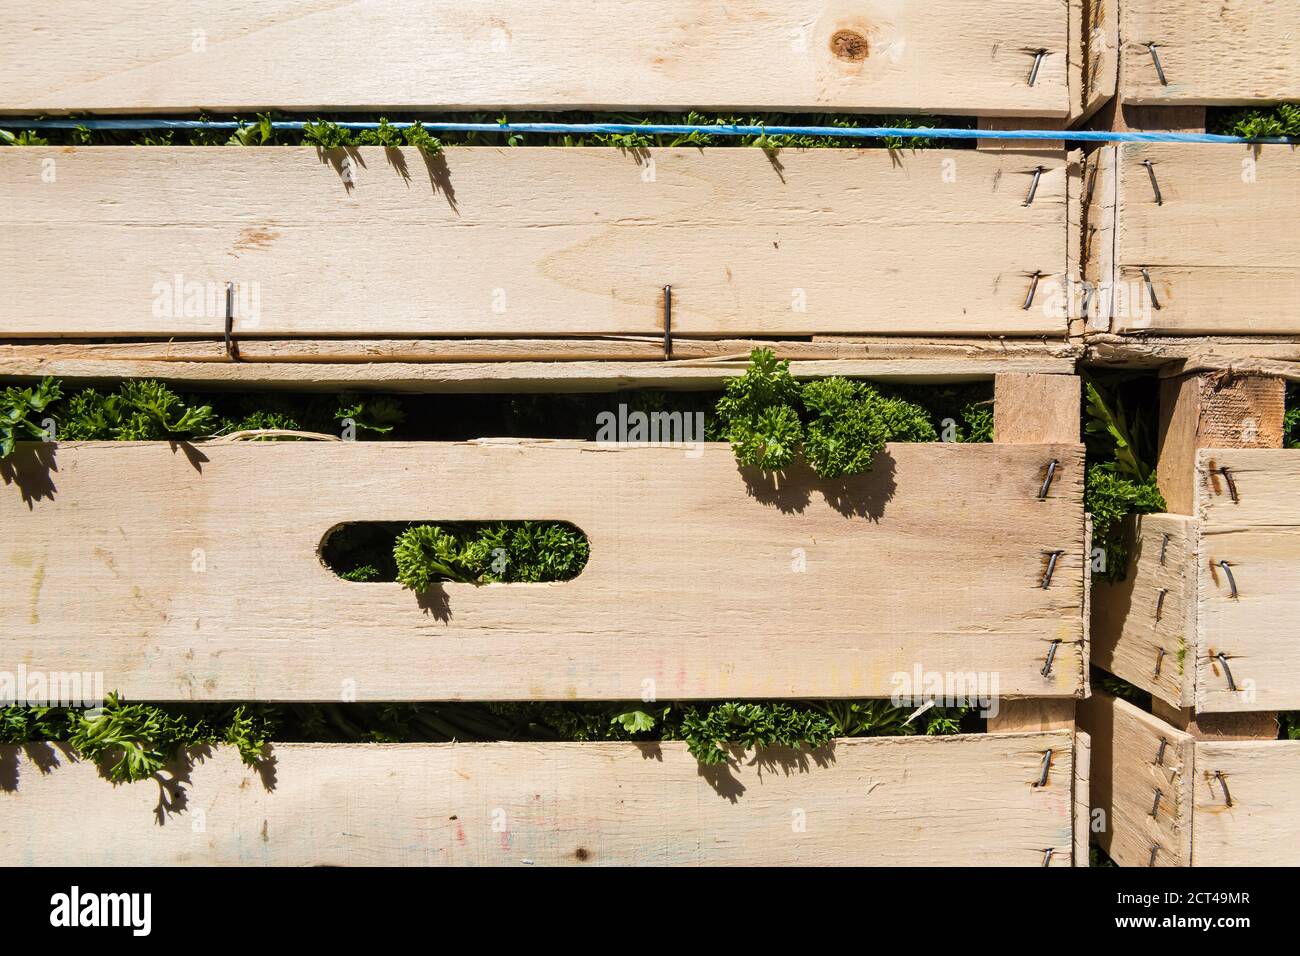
pixel 866 132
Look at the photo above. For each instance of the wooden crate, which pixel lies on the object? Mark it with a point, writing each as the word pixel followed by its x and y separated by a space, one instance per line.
pixel 1165 626
pixel 973 800
pixel 1214 252
pixel 529 242
pixel 1171 799
pixel 967 57
pixel 1212 53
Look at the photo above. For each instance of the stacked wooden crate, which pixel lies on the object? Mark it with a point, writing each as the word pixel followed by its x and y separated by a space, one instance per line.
pixel 584 269
pixel 1203 238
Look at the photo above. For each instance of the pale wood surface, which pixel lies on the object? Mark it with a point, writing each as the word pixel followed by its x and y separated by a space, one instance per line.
pixel 1031 714
pixel 1262 827
pixel 1222 249
pixel 531 241
pixel 1035 408
pixel 1212 411
pixel 1082 796
pixel 1245 725
pixel 935 557
pixel 1259 537
pixel 1100 55
pixel 1213 52
pixel 1127 635
pixel 548 376
pixel 968 800
pixel 962 56
pixel 1125 777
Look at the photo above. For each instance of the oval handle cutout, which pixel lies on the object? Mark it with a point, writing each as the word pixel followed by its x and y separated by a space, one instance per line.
pixel 421 554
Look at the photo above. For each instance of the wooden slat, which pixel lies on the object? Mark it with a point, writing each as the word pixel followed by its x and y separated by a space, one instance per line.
pixel 1213 52
pixel 1125 777
pixel 1035 408
pixel 600 376
pixel 1100 56
pixel 1262 827
pixel 967 800
pixel 1259 537
pixel 962 56
pixel 1127 637
pixel 1221 248
pixel 530 241
pixel 692 581
pixel 1082 796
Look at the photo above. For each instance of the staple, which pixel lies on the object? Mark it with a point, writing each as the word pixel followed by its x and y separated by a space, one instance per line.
pixel 1151 289
pixel 1047 855
pixel 1160 754
pixel 1038 59
pixel 1160 659
pixel 1232 582
pixel 1052 558
pixel 1223 782
pixel 1227 671
pixel 1155 58
pixel 1051 657
pixel 1155 848
pixel 1045 769
pixel 1155 804
pixel 232 347
pixel 1232 485
pixel 1160 603
pixel 1047 482
pixel 1164 546
pixel 668 322
pixel 1155 186
pixel 1033 287
pixel 1033 186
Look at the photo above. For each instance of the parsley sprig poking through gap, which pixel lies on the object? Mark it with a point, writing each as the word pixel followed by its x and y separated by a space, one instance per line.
pixel 18 410
pixel 840 425
pixel 489 552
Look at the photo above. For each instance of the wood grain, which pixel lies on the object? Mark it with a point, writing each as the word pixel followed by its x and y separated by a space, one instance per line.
pixel 934 559
pixel 1262 827
pixel 1126 774
pixel 1258 535
pixel 1213 52
pixel 963 56
pixel 883 801
pixel 1150 616
pixel 1221 248
pixel 1035 408
pixel 529 241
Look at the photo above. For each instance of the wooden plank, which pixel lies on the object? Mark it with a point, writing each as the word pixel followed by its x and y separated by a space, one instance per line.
pixel 1128 766
pixel 1218 727
pixel 1220 248
pixel 1262 826
pixel 549 376
pixel 1212 411
pixel 693 579
pixel 622 348
pixel 1097 251
pixel 529 241
pixel 1029 715
pixel 965 57
pixel 1213 53
pixel 1144 627
pixel 1100 57
pixel 1035 408
pixel 1258 535
pixel 1082 796
pixel 968 800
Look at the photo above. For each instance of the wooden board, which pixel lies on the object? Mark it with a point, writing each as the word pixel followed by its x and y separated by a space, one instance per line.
pixel 1149 618
pixel 1082 796
pixel 1259 536
pixel 1213 52
pixel 968 800
pixel 962 56
pixel 935 558
pixel 1221 248
pixel 529 241
pixel 507 376
pixel 1126 775
pixel 1262 827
